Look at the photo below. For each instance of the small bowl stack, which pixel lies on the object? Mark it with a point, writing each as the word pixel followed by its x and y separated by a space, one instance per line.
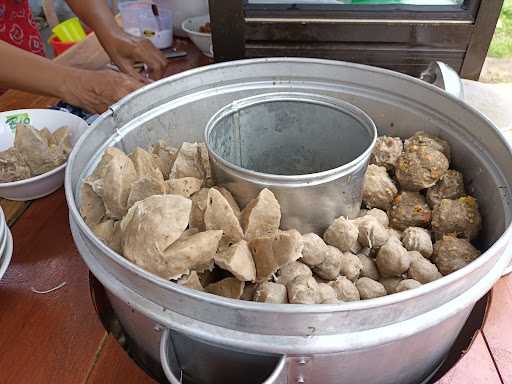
pixel 6 244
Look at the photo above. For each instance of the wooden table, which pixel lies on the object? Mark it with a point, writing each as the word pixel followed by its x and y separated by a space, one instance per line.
pixel 58 338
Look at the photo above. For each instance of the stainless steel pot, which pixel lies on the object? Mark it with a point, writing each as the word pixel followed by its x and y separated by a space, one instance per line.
pixel 395 339
pixel 311 151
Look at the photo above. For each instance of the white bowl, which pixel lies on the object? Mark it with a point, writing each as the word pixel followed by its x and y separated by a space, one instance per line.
pixel 203 41
pixel 182 10
pixel 42 185
pixel 5 258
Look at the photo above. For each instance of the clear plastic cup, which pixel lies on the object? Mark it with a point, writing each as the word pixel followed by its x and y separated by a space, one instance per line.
pixel 158 30
pixel 131 11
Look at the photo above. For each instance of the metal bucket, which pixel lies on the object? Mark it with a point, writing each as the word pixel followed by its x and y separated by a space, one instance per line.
pixel 403 336
pixel 305 148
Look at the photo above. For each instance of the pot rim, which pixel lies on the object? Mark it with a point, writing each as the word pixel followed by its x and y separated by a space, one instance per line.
pixel 234 304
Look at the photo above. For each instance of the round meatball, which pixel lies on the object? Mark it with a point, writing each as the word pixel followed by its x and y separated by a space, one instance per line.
pixel 423 270
pixel 350 266
pixel 379 189
pixel 369 268
pixel 330 268
pixel 407 284
pixel 290 271
pixel 386 152
pixel 345 289
pixel 420 167
pixel 303 290
pixel 342 234
pixel 380 215
pixel 327 294
pixel 414 255
pixel 372 234
pixel 269 292
pixel 450 186
pixel 313 252
pixel 370 289
pixel 451 254
pixel 459 217
pixel 390 283
pixel 424 139
pixel 418 239
pixel 409 210
pixel 395 233
pixel 392 259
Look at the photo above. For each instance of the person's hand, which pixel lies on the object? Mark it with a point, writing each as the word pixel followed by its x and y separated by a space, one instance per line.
pixel 95 91
pixel 125 50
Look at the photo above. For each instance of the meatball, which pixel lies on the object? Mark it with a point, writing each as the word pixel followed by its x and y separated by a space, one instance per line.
pixel 418 239
pixel 423 271
pixel 450 186
pixel 390 283
pixel 420 167
pixel 409 210
pixel 392 259
pixel 290 271
pixel 269 292
pixel 327 294
pixel 459 217
pixel 350 266
pixel 314 249
pixel 380 215
pixel 379 189
pixel 370 289
pixel 342 234
pixel 329 269
pixel 369 268
pixel 451 254
pixel 386 152
pixel 424 139
pixel 303 290
pixel 407 284
pixel 345 289
pixel 372 233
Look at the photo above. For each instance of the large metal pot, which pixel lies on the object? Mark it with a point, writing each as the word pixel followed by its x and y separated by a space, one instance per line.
pixel 395 339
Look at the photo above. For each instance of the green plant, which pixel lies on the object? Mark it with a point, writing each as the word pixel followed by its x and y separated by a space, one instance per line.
pixel 501 45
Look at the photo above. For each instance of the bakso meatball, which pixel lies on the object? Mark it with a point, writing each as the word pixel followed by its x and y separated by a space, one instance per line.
pixel 314 249
pixel 386 152
pixel 327 294
pixel 418 239
pixel 342 234
pixel 345 289
pixel 423 271
pixel 380 215
pixel 369 267
pixel 420 167
pixel 450 186
pixel 392 259
pixel 390 283
pixel 409 210
pixel 379 189
pixel 407 284
pixel 350 266
pixel 370 289
pixel 269 292
pixel 290 271
pixel 460 218
pixel 424 139
pixel 451 254
pixel 330 267
pixel 303 290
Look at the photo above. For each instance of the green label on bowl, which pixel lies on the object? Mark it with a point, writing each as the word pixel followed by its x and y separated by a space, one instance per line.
pixel 13 120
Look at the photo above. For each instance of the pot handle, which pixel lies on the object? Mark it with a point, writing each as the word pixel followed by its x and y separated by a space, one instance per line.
pixel 444 77
pixel 174 373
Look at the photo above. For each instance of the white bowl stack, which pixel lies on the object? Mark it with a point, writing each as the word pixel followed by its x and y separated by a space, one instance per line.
pixel 6 244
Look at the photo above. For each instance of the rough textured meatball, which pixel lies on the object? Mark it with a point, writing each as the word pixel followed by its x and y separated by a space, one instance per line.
pixel 386 152
pixel 380 215
pixel 345 289
pixel 372 234
pixel 395 233
pixel 350 266
pixel 390 283
pixel 424 139
pixel 290 271
pixel 342 234
pixel 369 268
pixel 407 284
pixel 392 259
pixel 327 294
pixel 414 255
pixel 303 290
pixel 269 292
pixel 459 217
pixel 370 289
pixel 420 167
pixel 418 239
pixel 314 249
pixel 452 254
pixel 329 269
pixel 423 270
pixel 409 210
pixel 450 186
pixel 379 190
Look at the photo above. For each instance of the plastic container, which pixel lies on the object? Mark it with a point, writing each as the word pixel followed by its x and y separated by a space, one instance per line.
pixel 58 46
pixel 70 31
pixel 41 185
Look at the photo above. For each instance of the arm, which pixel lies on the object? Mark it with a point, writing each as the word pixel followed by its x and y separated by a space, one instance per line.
pixel 92 90
pixel 123 49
